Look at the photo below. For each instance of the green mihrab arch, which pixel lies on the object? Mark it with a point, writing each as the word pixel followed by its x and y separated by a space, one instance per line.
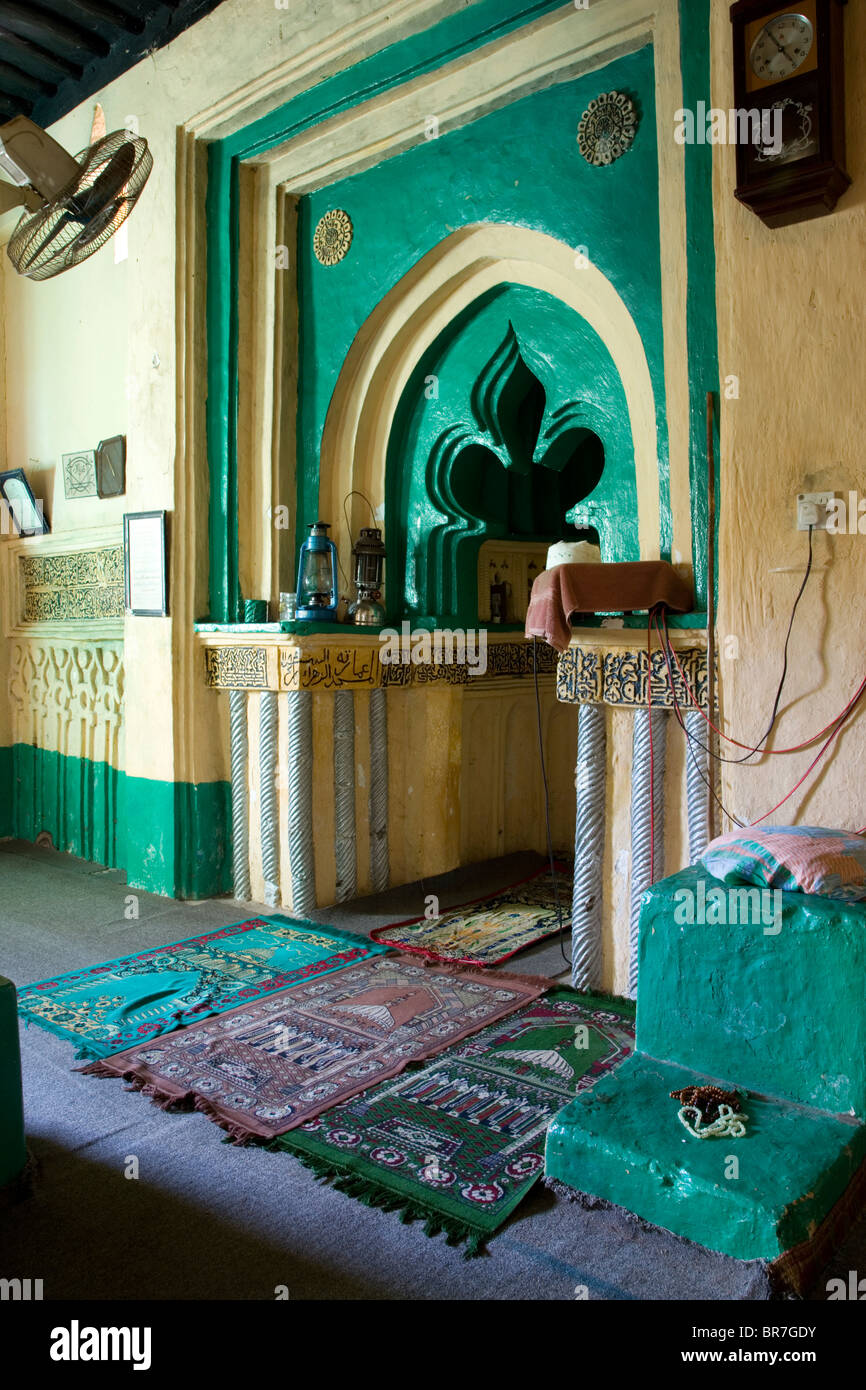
pixel 514 424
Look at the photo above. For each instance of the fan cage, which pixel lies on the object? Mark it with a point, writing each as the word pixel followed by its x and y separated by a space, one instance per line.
pixel 87 213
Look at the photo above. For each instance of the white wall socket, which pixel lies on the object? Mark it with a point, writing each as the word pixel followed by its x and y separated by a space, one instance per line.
pixel 812 508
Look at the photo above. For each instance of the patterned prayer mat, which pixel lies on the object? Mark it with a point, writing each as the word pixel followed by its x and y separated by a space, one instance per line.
pixel 264 1068
pixel 488 930
pixel 106 1008
pixel 460 1142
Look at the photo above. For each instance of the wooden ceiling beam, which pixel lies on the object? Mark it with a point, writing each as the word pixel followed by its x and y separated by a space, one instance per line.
pixel 32 55
pixel 22 84
pixel 46 28
pixel 106 13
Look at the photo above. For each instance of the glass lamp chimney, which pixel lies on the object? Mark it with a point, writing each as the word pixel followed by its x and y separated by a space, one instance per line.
pixel 317 576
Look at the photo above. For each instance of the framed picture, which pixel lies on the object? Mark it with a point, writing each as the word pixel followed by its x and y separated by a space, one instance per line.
pixel 145 575
pixel 111 466
pixel 79 474
pixel 27 514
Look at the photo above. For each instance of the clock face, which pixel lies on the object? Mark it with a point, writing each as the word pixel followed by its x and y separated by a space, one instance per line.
pixel 782 46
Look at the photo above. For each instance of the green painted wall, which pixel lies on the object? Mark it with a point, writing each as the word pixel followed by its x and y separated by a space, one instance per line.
pixel 497 434
pixel 171 838
pixel 7 816
pixel 479 23
pixel 520 165
pixel 701 307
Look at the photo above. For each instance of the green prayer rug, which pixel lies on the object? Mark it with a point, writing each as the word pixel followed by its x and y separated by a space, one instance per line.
pixel 109 1007
pixel 489 930
pixel 460 1142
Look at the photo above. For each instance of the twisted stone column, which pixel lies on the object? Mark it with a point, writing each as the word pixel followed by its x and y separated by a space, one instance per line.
pixel 379 859
pixel 586 909
pixel 696 788
pixel 240 801
pixel 344 794
pixel 646 727
pixel 268 813
pixel 301 861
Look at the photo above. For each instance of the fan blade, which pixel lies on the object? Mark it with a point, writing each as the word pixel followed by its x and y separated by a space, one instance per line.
pixel 112 179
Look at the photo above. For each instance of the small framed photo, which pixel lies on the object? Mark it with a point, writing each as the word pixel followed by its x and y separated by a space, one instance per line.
pixel 145 571
pixel 111 466
pixel 79 474
pixel 28 516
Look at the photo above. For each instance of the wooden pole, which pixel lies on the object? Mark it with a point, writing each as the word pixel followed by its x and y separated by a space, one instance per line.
pixel 711 611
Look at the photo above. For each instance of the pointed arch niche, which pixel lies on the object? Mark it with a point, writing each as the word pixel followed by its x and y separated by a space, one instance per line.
pixel 534 280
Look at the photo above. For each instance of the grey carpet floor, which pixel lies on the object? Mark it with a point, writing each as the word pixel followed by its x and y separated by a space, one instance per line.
pixel 207 1220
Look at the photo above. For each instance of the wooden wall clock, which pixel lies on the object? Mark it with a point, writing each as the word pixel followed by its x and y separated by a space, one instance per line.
pixel 789 63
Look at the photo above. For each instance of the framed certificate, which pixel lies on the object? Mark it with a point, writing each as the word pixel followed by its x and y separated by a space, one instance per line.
pixel 144 564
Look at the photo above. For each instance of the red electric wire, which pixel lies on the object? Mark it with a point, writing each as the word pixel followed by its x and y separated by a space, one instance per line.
pixel 796 747
pixel 839 721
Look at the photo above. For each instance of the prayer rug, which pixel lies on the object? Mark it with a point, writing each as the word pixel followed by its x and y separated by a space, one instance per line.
pixel 264 1068
pixel 106 1008
pixel 488 930
pixel 460 1142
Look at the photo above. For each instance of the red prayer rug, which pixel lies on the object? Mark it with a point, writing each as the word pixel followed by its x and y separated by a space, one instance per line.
pixel 269 1066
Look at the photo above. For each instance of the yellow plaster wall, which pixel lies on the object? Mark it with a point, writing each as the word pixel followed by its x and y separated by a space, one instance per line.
pixel 792 327
pixel 93 352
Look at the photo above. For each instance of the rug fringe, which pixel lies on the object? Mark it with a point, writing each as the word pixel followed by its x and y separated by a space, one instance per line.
pixel 373 1194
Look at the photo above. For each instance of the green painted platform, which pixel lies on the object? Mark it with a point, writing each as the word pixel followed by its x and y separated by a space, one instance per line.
pixel 13 1152
pixel 780 1005
pixel 771 1003
pixel 623 1141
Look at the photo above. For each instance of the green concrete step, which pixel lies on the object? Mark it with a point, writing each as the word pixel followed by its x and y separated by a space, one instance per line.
pixel 622 1141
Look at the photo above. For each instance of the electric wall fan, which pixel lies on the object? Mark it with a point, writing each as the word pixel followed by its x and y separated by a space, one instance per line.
pixel 71 206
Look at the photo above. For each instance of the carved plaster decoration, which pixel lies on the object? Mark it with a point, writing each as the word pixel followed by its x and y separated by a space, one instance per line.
pixel 337 666
pixel 68 697
pixel 237 668
pixel 607 128
pixel 79 585
pixel 333 236
pixel 618 676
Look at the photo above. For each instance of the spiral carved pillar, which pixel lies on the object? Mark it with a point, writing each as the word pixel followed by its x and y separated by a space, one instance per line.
pixel 268 812
pixel 379 859
pixel 697 790
pixel 344 795
pixel 240 801
pixel 300 788
pixel 586 912
pixel 648 746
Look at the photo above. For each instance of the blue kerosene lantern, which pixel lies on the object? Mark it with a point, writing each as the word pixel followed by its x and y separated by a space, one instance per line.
pixel 317 577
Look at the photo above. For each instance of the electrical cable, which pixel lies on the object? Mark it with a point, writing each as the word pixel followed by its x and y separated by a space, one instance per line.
pixel 836 726
pixel 795 748
pixel 758 747
pixel 668 651
pixel 550 857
